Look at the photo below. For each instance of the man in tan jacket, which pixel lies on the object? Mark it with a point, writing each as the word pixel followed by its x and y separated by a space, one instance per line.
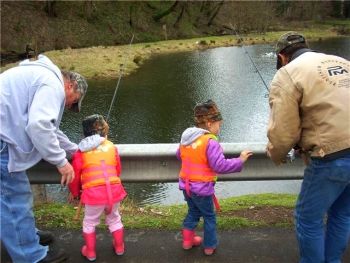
pixel 310 110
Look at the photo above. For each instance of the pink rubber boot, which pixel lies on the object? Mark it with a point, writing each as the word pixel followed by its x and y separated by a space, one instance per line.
pixel 118 241
pixel 89 249
pixel 189 239
pixel 209 251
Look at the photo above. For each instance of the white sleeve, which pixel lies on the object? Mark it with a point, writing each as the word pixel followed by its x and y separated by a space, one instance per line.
pixel 43 114
pixel 66 144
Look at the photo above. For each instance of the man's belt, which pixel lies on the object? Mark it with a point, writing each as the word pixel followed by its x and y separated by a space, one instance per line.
pixel 333 156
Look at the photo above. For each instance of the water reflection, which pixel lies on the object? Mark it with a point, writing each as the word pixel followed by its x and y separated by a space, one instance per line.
pixel 148 193
pixel 154 105
pixel 171 194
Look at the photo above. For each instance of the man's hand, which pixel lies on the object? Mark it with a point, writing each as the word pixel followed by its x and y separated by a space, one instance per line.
pixel 267 150
pixel 268 153
pixel 67 173
pixel 269 147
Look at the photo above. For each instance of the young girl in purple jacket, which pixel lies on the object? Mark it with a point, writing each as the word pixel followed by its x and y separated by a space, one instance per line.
pixel 202 159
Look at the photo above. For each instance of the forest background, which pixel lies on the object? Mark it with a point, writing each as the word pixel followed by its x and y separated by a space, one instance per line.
pixel 55 25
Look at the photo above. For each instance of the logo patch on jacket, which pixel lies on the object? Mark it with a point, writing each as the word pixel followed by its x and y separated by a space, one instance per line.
pixel 336 70
pixel 335 73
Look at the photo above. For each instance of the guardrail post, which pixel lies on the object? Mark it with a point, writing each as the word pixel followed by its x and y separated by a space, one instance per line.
pixel 39 193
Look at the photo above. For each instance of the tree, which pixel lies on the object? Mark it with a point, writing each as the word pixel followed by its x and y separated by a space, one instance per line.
pixel 166 12
pixel 89 9
pixel 347 9
pixel 214 14
pixel 179 17
pixel 50 8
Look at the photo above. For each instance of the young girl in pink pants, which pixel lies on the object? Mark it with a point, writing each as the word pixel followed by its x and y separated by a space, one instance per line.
pixel 97 169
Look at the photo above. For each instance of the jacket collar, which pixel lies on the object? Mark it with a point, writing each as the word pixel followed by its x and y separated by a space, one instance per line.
pixel 300 52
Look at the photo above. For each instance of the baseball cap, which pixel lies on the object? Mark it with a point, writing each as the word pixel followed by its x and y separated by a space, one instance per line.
pixel 95 124
pixel 206 111
pixel 81 87
pixel 288 39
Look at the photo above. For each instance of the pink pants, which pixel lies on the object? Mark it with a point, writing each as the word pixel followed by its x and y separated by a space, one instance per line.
pixel 93 214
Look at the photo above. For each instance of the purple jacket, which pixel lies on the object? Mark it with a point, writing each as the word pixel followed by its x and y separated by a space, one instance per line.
pixel 217 161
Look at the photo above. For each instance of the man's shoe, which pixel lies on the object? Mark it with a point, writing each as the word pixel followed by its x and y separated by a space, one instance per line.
pixel 54 256
pixel 45 237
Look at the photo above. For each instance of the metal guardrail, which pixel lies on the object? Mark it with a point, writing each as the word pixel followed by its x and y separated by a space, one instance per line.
pixel 158 163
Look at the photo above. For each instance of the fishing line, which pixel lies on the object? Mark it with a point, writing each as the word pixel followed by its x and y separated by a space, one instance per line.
pixel 245 51
pixel 120 77
pixel 291 154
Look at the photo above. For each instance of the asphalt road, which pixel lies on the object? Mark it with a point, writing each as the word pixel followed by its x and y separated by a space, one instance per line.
pixel 262 245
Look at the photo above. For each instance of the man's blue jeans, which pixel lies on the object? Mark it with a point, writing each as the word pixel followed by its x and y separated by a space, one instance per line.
pixel 325 191
pixel 18 232
pixel 201 206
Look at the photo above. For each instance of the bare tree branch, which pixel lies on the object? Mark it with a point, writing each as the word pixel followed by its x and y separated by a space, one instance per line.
pixel 218 7
pixel 166 12
pixel 176 24
pixel 50 8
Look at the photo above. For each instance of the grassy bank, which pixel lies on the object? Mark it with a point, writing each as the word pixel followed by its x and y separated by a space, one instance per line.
pixel 237 212
pixel 106 62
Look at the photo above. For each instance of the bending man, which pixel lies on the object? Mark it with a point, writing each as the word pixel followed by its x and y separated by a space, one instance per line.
pixel 33 96
pixel 310 111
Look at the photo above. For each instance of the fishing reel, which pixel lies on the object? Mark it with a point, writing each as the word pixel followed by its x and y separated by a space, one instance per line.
pixel 291 156
pixel 297 152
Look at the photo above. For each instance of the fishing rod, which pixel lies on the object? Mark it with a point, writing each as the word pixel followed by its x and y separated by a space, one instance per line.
pixel 291 154
pixel 251 60
pixel 120 77
pixel 79 207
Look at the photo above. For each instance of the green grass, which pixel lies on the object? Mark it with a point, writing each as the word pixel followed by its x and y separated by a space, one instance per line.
pixel 246 201
pixel 335 22
pixel 54 215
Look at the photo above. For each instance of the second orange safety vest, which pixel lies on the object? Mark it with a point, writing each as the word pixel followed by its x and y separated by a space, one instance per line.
pixel 195 167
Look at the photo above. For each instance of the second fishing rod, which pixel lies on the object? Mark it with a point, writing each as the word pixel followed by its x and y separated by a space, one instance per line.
pixel 120 77
pixel 291 154
pixel 79 207
pixel 250 58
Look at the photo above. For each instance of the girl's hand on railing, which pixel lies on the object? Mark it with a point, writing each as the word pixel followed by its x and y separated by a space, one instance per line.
pixel 245 155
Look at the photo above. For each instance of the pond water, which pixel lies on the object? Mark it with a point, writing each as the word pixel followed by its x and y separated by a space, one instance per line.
pixel 154 105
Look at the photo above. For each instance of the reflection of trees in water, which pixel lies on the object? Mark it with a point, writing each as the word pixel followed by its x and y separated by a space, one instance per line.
pixel 146 193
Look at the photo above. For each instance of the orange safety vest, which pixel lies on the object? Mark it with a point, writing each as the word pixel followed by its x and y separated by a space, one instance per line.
pixel 99 166
pixel 194 165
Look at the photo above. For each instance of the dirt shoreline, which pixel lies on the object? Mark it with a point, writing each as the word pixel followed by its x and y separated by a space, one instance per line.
pixel 98 63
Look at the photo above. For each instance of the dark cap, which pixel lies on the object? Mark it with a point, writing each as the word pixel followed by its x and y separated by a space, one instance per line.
pixel 286 40
pixel 206 111
pixel 81 87
pixel 95 124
